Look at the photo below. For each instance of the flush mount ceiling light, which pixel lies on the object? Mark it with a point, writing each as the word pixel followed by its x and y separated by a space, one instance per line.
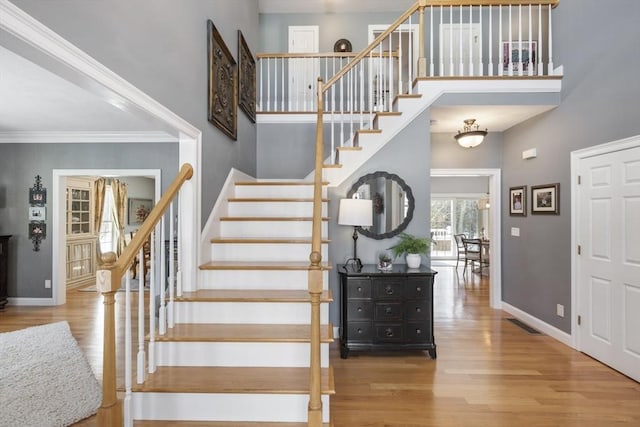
pixel 471 136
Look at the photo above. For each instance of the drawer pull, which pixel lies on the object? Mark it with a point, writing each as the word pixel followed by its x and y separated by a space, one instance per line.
pixel 419 289
pixel 359 309
pixel 359 330
pixel 418 310
pixel 418 331
pixel 359 288
pixel 389 332
pixel 388 310
pixel 389 290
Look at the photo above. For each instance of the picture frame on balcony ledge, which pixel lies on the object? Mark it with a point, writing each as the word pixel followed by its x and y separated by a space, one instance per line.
pixel 511 50
pixel 222 84
pixel 246 79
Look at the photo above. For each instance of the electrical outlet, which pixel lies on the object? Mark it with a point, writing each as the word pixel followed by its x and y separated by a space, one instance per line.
pixel 47 284
pixel 560 310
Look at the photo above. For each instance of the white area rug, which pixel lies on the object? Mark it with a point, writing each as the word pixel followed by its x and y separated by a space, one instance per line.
pixel 45 379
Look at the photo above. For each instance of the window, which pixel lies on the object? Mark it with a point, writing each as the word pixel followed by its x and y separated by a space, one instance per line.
pixel 450 216
pixel 108 229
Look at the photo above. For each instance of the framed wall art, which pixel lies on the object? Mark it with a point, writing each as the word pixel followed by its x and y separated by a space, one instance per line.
pixel 222 83
pixel 545 199
pixel 511 51
pixel 139 210
pixel 518 201
pixel 246 79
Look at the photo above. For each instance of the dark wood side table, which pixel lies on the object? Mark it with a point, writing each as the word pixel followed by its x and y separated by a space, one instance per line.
pixel 4 267
pixel 390 310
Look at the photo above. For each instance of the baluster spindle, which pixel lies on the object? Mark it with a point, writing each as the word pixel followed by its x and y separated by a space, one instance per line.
pixel 127 350
pixel 501 51
pixel 268 84
pixel 141 354
pixel 282 81
pixel 520 63
pixel 151 365
pixel 400 90
pixel 389 78
pixel 550 70
pixel 490 66
pixel 370 89
pixel 510 43
pixel 411 63
pixel 480 43
pixel 451 66
pixel 178 250
pixel 170 319
pixel 362 105
pixel 540 69
pixel 461 65
pixel 260 97
pixel 162 314
pixel 531 62
pixel 431 65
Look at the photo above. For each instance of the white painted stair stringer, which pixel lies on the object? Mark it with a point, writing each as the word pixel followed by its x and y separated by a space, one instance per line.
pixel 410 108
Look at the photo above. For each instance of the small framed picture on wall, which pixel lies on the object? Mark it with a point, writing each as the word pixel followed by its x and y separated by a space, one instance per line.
pixel 545 199
pixel 518 201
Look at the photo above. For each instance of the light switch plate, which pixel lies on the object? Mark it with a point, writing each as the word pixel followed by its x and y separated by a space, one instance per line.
pixel 515 231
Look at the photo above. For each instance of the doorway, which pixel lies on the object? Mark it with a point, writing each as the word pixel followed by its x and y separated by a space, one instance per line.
pixel 59 223
pixel 606 266
pixel 494 225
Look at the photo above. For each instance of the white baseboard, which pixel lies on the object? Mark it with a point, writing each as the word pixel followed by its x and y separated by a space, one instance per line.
pixel 544 327
pixel 31 301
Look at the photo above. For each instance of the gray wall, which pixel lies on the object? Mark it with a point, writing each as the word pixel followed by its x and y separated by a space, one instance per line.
pixel 598 47
pixel 408 156
pixel 20 163
pixel 459 185
pixel 160 46
pixel 447 154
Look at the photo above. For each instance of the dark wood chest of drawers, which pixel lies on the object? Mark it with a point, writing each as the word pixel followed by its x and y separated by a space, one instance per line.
pixel 4 267
pixel 386 310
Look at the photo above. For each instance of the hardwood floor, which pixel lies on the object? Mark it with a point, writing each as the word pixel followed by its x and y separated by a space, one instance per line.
pixel 489 372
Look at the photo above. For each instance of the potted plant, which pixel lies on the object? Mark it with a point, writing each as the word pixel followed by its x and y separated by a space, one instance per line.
pixel 413 247
pixel 384 261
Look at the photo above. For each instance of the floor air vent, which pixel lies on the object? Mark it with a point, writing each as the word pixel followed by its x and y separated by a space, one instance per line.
pixel 524 326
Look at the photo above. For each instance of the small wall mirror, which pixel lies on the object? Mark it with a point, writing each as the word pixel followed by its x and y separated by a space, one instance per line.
pixel 392 201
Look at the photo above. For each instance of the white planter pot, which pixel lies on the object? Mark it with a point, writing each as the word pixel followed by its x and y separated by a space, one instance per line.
pixel 413 260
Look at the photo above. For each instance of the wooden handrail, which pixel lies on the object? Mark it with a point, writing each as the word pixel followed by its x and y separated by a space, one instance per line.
pixel 317 55
pixel 108 280
pixel 439 3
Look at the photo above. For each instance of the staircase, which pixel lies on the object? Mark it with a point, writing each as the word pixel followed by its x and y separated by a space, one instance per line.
pixel 239 352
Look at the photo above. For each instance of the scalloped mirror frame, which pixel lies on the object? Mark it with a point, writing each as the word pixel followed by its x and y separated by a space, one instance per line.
pixel 403 225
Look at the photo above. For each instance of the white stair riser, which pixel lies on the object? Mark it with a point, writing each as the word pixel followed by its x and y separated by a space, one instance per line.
pixel 288 191
pixel 273 209
pixel 237 354
pixel 247 312
pixel 257 279
pixel 264 251
pixel 224 407
pixel 272 229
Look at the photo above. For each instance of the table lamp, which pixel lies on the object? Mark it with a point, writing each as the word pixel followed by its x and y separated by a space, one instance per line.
pixel 358 213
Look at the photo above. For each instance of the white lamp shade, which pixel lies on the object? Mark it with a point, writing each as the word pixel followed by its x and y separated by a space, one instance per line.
pixel 470 140
pixel 356 212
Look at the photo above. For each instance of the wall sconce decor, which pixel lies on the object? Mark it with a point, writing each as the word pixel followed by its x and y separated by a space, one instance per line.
pixel 37 213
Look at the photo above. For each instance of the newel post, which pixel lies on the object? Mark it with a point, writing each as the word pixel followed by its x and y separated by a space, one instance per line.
pixel 108 282
pixel 422 57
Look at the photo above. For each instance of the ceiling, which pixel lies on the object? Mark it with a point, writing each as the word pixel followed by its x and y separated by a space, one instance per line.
pixel 332 6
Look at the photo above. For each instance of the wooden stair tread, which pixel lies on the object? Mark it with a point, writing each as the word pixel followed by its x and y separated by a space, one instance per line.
pixel 252 295
pixel 216 379
pixel 260 265
pixel 389 113
pixel 268 218
pixel 279 183
pixel 369 131
pixel 207 332
pixel 335 165
pixel 174 423
pixel 409 95
pixel 265 240
pixel 272 199
pixel 348 148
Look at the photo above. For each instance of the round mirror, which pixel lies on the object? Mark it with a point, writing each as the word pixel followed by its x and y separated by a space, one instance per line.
pixel 392 201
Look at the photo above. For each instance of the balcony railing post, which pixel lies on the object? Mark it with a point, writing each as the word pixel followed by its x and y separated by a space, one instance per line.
pixel 108 282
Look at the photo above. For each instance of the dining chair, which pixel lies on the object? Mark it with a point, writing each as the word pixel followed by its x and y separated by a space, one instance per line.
pixel 473 254
pixel 459 246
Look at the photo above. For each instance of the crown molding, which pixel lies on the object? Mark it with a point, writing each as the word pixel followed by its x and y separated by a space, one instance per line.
pixel 85 137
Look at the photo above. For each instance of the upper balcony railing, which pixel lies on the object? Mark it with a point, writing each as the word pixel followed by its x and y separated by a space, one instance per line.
pixel 435 38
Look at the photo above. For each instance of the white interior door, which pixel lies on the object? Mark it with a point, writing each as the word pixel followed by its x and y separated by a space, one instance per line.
pixel 303 73
pixel 609 265
pixel 460 49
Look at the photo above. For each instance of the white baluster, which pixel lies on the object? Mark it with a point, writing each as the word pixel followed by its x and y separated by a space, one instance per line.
pixel 550 70
pixel 510 44
pixel 151 366
pixel 480 65
pixel 390 77
pixel 326 77
pixel 411 63
pixel 540 69
pixel 260 97
pixel 283 86
pixel 441 72
pixel 370 89
pixel 520 63
pixel 490 67
pixel 351 97
pixel 275 84
pixel 362 106
pixel 400 90
pixel 128 414
pixel 162 313
pixel 141 354
pixel 170 319
pixel 501 51
pixel 431 64
pixel 531 63
pixel 471 72
pixel 380 94
pixel 461 65
pixel 451 69
pixel 268 84
pixel 178 250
